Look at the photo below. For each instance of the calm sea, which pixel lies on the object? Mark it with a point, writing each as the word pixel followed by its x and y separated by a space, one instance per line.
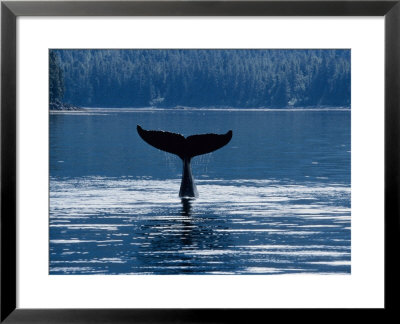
pixel 275 200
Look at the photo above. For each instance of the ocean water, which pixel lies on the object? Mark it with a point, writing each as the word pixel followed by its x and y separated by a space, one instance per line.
pixel 275 200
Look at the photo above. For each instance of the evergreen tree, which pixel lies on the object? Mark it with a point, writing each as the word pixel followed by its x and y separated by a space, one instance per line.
pixel 56 78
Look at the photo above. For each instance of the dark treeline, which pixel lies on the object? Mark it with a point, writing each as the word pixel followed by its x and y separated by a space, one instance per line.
pixel 205 78
pixel 56 78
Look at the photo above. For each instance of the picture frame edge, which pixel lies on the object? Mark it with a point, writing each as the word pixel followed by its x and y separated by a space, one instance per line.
pixel 9 13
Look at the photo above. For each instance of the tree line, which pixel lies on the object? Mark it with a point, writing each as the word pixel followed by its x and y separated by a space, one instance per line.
pixel 201 78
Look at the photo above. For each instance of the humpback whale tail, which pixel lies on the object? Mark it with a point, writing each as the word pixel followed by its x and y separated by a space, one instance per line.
pixel 186 149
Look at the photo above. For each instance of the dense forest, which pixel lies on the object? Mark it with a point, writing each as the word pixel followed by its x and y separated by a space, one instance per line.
pixel 56 78
pixel 201 78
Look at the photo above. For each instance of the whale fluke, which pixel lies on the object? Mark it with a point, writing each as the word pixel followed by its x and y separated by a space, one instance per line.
pixel 186 149
pixel 164 141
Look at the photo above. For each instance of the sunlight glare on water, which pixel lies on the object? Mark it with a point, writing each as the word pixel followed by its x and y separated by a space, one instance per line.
pixel 239 227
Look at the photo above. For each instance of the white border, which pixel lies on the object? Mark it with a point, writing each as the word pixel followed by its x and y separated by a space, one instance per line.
pixel 363 288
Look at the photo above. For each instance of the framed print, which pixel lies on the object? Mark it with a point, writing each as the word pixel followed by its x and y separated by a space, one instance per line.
pixel 196 161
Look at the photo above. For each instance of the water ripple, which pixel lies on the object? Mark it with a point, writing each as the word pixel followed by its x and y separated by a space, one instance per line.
pixel 102 225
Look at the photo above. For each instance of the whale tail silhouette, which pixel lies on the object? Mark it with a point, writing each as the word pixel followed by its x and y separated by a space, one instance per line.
pixel 186 148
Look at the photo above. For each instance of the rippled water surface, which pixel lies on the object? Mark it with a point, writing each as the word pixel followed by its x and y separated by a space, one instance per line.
pixel 275 200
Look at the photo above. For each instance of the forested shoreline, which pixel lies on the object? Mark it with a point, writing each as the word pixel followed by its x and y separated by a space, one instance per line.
pixel 200 78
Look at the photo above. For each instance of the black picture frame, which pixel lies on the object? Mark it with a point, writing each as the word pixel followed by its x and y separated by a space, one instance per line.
pixel 10 10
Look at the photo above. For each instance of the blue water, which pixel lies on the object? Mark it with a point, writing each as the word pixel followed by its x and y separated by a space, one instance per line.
pixel 275 200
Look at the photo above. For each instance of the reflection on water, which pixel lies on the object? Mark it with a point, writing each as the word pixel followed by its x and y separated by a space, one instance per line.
pixel 128 226
pixel 186 206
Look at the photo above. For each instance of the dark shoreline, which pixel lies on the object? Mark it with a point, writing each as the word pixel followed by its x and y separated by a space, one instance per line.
pixel 68 107
pixel 62 106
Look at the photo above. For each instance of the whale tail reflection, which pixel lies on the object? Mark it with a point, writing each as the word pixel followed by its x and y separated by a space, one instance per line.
pixel 186 148
pixel 186 207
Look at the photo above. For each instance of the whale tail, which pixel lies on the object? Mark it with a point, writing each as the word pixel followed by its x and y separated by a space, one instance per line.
pixel 185 148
